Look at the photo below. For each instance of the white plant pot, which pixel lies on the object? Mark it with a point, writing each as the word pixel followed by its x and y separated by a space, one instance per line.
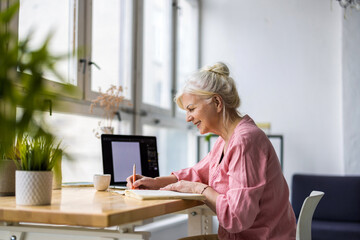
pixel 33 187
pixel 7 177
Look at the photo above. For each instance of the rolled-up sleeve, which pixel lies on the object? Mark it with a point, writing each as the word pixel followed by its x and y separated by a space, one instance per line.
pixel 238 208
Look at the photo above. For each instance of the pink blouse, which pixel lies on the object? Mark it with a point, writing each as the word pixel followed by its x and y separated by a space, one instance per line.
pixel 254 196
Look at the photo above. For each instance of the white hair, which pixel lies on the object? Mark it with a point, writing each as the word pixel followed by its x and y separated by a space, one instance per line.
pixel 210 81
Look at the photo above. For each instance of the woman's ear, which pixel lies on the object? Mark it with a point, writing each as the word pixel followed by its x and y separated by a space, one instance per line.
pixel 218 103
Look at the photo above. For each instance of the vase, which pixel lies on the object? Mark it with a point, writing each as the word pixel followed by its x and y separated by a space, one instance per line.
pixel 107 130
pixel 33 187
pixel 7 177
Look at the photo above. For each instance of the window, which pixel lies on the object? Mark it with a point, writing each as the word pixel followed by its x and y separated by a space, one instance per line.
pixel 176 148
pixel 156 49
pixel 176 143
pixel 78 138
pixel 94 59
pixel 110 44
pixel 57 17
pixel 148 47
pixel 187 40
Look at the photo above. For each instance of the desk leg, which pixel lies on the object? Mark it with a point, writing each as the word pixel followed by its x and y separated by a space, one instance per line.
pixel 128 228
pixel 199 222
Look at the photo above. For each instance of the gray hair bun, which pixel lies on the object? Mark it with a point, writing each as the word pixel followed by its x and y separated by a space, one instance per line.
pixel 218 68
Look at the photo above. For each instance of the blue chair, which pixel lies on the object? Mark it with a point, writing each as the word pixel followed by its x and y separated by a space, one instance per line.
pixel 338 215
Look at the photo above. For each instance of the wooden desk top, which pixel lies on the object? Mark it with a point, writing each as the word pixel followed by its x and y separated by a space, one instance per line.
pixel 88 207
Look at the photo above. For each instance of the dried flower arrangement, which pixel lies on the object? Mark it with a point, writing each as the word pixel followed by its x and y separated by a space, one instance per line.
pixel 110 102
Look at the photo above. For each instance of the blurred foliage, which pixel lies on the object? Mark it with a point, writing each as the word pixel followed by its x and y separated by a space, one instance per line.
pixel 207 137
pixel 22 84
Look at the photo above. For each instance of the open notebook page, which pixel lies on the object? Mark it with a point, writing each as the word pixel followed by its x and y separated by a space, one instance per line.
pixel 162 194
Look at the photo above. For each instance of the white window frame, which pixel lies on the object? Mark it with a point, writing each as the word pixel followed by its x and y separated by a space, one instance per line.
pixel 140 113
pixel 149 114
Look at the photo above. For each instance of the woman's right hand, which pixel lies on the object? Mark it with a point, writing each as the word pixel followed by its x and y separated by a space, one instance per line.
pixel 142 182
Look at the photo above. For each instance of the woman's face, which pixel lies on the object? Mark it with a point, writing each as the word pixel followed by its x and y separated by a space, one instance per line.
pixel 201 112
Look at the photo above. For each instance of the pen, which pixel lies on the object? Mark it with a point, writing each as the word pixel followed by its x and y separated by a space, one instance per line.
pixel 134 175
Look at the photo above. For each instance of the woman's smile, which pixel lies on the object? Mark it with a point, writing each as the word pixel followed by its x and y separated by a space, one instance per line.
pixel 201 112
pixel 197 124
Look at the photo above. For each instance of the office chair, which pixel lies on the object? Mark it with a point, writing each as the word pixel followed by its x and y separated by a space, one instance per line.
pixel 303 228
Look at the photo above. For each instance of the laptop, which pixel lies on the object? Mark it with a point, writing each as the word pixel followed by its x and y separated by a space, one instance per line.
pixel 121 152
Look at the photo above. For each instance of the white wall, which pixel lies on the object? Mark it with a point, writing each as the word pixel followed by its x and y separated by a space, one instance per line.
pixel 297 65
pixel 286 57
pixel 351 92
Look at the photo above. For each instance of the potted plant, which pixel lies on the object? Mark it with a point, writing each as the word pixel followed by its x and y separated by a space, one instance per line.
pixel 38 155
pixel 109 102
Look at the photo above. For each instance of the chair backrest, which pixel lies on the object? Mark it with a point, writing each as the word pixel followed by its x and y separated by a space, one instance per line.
pixel 303 229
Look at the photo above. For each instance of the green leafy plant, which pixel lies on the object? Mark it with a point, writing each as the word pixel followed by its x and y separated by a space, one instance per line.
pixel 22 83
pixel 38 153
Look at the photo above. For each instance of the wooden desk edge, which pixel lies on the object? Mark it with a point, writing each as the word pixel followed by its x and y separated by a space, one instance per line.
pixel 100 220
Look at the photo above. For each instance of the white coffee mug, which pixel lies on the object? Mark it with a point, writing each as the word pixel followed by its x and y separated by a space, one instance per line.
pixel 102 181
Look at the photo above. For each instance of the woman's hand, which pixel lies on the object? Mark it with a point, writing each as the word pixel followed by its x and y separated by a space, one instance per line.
pixel 195 187
pixel 142 182
pixel 185 186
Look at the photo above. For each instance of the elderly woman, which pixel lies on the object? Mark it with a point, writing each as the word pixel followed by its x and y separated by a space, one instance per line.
pixel 241 177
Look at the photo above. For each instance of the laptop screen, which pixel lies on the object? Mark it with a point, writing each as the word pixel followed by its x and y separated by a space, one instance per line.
pixel 121 152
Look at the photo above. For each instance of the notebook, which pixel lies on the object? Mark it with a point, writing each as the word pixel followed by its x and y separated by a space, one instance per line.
pixel 162 194
pixel 121 152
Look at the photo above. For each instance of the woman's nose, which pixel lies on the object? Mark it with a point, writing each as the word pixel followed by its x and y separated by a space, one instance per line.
pixel 188 117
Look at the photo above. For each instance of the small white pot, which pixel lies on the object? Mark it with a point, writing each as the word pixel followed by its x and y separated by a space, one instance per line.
pixel 33 187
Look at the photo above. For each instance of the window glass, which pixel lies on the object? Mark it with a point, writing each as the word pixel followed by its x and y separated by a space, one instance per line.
pixel 77 134
pixel 78 138
pixel 205 144
pixel 157 53
pixel 187 40
pixel 42 17
pixel 110 45
pixel 176 148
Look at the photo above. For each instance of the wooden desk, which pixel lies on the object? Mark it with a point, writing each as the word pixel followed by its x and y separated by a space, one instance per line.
pixel 87 208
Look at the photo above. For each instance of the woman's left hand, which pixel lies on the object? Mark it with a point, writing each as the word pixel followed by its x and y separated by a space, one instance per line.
pixel 185 186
